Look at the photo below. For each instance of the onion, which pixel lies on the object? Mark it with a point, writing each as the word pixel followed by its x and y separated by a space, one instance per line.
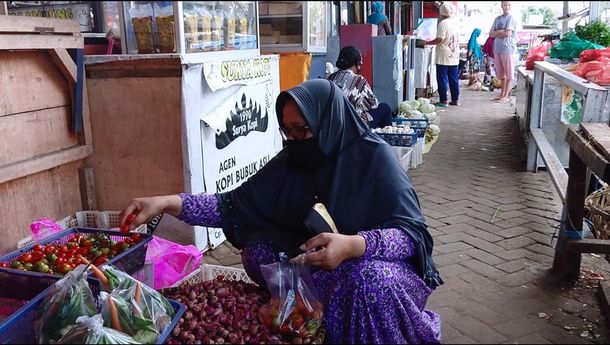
pixel 188 315
pixel 184 335
pixel 232 338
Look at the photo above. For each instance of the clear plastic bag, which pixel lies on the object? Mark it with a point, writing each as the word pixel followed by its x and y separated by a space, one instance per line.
pixel 295 307
pixel 134 308
pixel 70 299
pixel 91 330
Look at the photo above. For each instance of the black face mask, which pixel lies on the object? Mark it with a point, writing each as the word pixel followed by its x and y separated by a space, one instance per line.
pixel 305 154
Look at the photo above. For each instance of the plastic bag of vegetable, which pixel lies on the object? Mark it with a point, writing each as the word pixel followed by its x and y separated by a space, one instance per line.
pixel 69 299
pixel 91 330
pixel 295 307
pixel 133 307
pixel 570 47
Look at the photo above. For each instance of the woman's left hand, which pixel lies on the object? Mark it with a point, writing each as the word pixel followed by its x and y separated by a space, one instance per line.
pixel 336 248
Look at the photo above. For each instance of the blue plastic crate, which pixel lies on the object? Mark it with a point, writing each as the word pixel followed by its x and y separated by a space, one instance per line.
pixel 129 261
pixel 395 139
pixel 179 308
pixel 20 327
pixel 418 125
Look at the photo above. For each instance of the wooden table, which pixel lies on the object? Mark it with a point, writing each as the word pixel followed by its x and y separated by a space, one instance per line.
pixel 589 149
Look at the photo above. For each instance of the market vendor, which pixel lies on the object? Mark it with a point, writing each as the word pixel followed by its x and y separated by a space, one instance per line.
pixel 376 274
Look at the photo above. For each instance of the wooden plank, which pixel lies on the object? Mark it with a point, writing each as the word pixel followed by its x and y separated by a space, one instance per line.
pixel 48 161
pixel 593 159
pixel 599 136
pixel 589 245
pixel 34 134
pixel 51 194
pixel 137 138
pixel 593 107
pixel 65 63
pixel 30 81
pixel 534 120
pixel 552 162
pixel 8 41
pixel 87 188
pixel 22 24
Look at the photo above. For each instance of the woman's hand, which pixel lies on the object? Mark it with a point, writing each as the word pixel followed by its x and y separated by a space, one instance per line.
pixel 146 208
pixel 336 248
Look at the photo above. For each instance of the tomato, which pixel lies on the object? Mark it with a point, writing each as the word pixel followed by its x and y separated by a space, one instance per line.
pixel 41 267
pixel 125 228
pixel 49 249
pixel 296 321
pixel 72 244
pixel 26 258
pixel 127 240
pixel 124 246
pixel 64 268
pixel 136 238
pixel 60 261
pixel 38 248
pixel 64 249
pixel 83 251
pixel 100 261
pixel 16 264
pixel 73 265
pixel 52 257
pixel 87 243
pixel 37 256
pixel 3 264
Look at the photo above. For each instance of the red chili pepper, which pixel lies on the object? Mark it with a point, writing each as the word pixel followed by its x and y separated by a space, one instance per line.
pixel 125 228
pixel 130 218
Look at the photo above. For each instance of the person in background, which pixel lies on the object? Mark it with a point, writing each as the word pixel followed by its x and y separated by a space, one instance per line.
pixel 375 275
pixel 379 18
pixel 447 57
pixel 474 54
pixel 505 47
pixel 358 90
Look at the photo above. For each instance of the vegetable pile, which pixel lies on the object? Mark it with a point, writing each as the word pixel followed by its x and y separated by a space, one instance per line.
pixel 130 313
pixel 418 109
pixel 223 311
pixel 61 258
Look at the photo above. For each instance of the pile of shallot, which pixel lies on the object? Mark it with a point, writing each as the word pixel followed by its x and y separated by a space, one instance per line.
pixel 222 311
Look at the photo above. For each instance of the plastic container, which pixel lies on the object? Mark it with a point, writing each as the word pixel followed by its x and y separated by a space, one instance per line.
pixel 399 139
pixel 89 219
pixel 19 328
pixel 128 261
pixel 208 272
pixel 418 125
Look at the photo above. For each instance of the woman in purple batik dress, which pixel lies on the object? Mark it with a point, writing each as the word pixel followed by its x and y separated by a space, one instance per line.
pixel 375 276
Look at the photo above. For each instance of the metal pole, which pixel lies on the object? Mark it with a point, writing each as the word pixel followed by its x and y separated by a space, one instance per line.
pixel 593 11
pixel 418 13
pixel 564 24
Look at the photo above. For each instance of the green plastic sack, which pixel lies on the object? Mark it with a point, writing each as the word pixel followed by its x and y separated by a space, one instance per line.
pixel 570 47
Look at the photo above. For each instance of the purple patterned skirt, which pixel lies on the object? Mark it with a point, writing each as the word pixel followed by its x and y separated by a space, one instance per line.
pixel 366 301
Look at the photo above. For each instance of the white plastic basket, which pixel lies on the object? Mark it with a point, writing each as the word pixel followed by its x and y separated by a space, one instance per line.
pixel 404 155
pixel 208 272
pixel 89 219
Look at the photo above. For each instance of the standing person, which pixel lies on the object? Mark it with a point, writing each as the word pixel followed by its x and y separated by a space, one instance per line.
pixel 378 17
pixel 375 276
pixel 358 90
pixel 503 32
pixel 447 57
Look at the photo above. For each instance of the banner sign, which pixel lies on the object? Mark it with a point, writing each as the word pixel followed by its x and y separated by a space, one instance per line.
pixel 240 135
pixel 222 74
pixel 80 12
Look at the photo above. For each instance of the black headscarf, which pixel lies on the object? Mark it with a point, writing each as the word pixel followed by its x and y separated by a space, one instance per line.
pixel 362 184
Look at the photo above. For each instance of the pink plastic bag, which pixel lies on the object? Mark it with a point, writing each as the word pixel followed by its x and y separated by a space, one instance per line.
pixel 171 261
pixel 44 227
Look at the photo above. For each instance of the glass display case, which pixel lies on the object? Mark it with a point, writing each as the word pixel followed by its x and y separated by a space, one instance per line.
pixel 153 27
pixel 293 26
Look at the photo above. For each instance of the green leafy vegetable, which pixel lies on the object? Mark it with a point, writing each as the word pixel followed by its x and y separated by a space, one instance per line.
pixel 596 32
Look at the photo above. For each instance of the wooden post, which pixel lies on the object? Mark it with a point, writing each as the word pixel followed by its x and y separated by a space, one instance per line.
pixel 3 8
pixel 87 188
pixel 566 265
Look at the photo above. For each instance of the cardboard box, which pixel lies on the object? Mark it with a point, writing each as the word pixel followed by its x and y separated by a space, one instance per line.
pixel 266 29
pixel 263 9
pixel 276 8
pixel 290 39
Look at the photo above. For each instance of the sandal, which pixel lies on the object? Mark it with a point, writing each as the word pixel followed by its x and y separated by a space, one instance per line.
pixel 497 98
pixel 503 100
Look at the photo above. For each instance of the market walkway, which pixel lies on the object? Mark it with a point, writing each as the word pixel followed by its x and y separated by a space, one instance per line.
pixel 492 225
